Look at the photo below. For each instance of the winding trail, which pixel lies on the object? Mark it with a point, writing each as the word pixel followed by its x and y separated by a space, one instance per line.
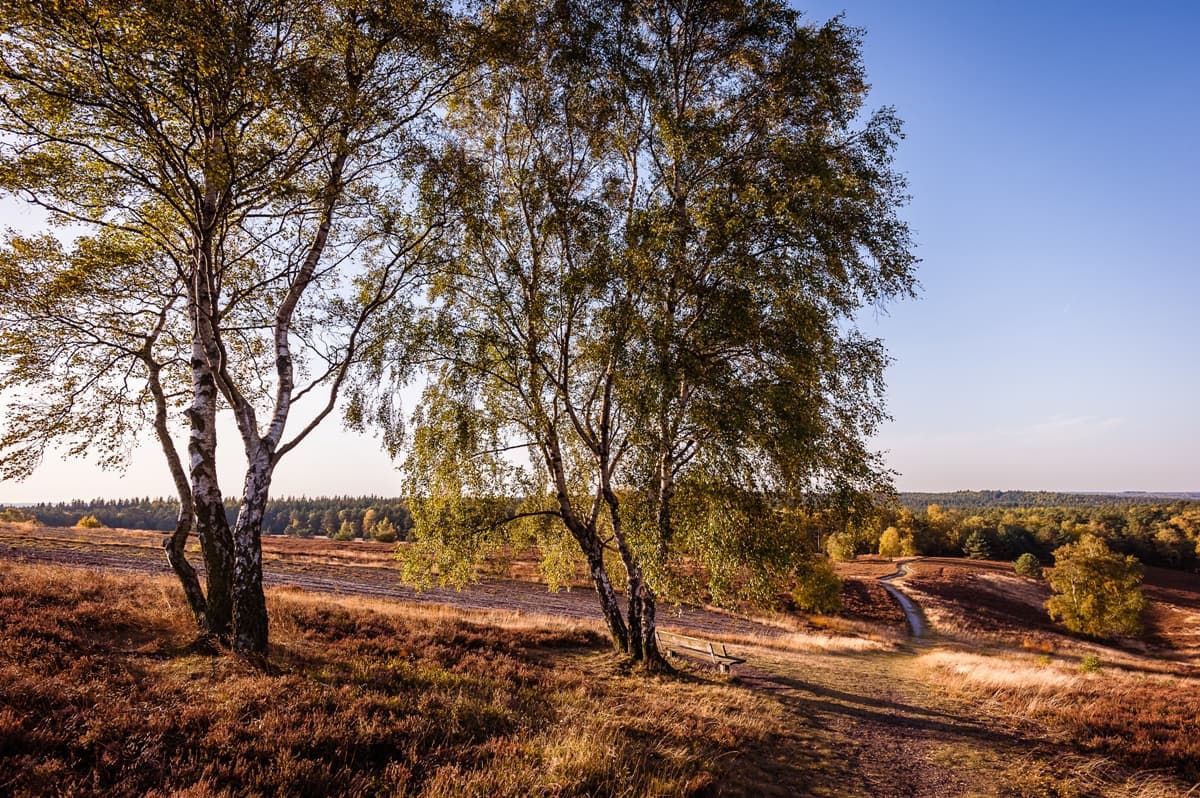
pixel 917 623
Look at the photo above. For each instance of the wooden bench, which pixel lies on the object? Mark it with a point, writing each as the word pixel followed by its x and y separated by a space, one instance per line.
pixel 671 644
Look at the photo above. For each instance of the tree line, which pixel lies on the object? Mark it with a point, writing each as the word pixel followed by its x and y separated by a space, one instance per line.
pixel 983 499
pixel 1161 533
pixel 624 246
pixel 297 517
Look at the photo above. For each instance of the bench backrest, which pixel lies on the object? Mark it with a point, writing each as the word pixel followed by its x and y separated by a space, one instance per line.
pixel 692 643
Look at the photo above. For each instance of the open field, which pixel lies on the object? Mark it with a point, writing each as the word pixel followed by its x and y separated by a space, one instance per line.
pixel 506 689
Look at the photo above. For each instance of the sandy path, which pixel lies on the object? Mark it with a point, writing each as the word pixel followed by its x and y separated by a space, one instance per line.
pixel 375 577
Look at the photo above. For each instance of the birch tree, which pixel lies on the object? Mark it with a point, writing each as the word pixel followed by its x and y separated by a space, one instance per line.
pixel 762 217
pixel 520 330
pixel 91 351
pixel 669 216
pixel 274 141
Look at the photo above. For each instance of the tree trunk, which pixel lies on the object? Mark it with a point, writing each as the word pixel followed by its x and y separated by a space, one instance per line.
pixel 249 603
pixel 634 618
pixel 652 659
pixel 212 525
pixel 643 640
pixel 175 548
pixel 609 605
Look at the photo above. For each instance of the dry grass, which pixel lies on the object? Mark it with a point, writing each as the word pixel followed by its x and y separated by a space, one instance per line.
pixel 1072 776
pixel 102 693
pixel 1143 720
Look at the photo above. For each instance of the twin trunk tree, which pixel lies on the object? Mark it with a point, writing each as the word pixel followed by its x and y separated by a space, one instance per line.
pixel 259 154
pixel 665 225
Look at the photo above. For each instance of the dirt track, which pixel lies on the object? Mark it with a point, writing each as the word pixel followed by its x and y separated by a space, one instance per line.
pixel 351 569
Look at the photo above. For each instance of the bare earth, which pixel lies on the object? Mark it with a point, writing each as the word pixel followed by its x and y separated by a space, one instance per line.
pixel 869 718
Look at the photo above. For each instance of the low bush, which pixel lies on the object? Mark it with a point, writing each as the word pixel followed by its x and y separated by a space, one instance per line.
pixel 347 531
pixel 1028 565
pixel 817 588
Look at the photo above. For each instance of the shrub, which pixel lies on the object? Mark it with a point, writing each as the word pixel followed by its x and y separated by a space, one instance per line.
pixel 1097 592
pixel 817 588
pixel 90 522
pixel 1028 565
pixel 384 531
pixel 1089 664
pixel 840 546
pixel 977 546
pixel 889 543
pixel 347 531
pixel 15 515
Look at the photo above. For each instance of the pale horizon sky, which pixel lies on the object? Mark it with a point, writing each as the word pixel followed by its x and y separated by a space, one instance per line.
pixel 1052 157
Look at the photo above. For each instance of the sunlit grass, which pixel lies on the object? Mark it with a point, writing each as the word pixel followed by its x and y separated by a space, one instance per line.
pixel 101 692
pixel 1142 718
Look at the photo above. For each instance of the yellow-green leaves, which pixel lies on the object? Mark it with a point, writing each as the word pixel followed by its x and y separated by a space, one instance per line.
pixel 1097 592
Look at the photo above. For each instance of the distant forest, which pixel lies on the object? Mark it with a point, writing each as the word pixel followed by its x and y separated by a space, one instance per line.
pixel 978 499
pixel 1000 525
pixel 1158 529
pixel 344 517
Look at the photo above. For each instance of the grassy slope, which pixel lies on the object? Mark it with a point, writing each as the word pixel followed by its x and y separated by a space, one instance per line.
pixel 1136 703
pixel 101 693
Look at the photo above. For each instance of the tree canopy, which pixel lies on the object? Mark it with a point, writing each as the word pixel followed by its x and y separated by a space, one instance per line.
pixel 1096 591
pixel 665 221
pixel 263 152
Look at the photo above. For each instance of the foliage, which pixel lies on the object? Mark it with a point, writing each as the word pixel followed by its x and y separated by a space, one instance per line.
pixel 370 519
pixel 890 543
pixel 1089 664
pixel 748 549
pixel 841 546
pixel 977 547
pixel 89 522
pixel 1096 591
pixel 1028 565
pixel 974 500
pixel 302 517
pixel 818 587
pixel 15 515
pixel 1158 531
pixel 347 531
pixel 384 531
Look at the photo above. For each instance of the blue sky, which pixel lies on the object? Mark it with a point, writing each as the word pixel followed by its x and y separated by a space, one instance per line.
pixel 1052 156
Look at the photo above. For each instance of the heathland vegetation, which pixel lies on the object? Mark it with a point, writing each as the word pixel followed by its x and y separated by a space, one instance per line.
pixel 377 690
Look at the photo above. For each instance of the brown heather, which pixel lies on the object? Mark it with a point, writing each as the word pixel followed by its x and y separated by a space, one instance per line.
pixel 103 692
pixel 1146 720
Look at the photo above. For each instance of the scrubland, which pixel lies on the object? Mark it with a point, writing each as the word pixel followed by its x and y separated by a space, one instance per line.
pixel 105 689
